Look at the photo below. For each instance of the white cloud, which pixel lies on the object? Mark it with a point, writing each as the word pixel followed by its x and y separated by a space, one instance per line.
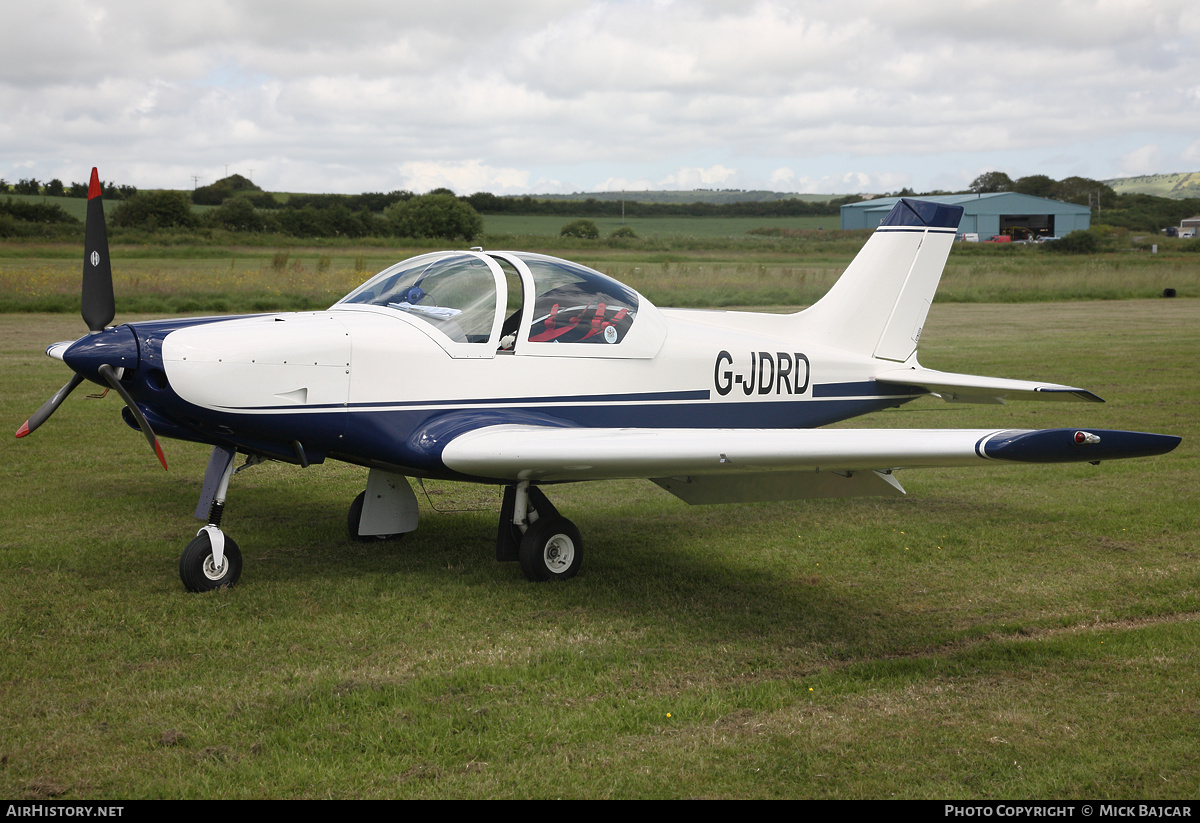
pixel 782 179
pixel 623 184
pixel 1144 160
pixel 694 178
pixel 638 94
pixel 465 177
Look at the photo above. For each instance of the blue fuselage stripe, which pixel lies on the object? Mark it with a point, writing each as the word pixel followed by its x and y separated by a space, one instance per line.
pixel 862 390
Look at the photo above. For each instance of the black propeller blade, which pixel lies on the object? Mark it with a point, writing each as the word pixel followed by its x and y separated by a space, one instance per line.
pixel 98 306
pixel 40 416
pixel 110 374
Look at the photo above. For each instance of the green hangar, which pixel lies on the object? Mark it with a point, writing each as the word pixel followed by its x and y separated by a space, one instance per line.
pixel 1017 215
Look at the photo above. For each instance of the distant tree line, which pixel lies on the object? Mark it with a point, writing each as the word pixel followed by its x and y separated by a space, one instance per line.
pixel 217 193
pixel 235 203
pixel 240 205
pixel 55 188
pixel 437 214
pixel 1137 212
pixel 487 203
pixel 1082 191
pixel 236 186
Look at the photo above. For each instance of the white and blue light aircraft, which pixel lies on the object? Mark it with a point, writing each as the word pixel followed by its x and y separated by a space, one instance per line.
pixel 525 371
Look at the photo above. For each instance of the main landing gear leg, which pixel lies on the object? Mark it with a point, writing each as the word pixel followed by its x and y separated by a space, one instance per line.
pixel 546 544
pixel 212 560
pixel 386 510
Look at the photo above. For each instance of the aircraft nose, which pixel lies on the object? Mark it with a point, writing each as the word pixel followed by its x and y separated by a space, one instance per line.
pixel 115 346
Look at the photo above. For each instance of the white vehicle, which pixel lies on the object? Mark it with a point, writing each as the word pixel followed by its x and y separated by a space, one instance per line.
pixel 525 371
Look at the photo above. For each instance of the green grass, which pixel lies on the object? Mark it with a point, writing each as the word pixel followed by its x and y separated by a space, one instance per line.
pixel 1009 632
pixel 754 271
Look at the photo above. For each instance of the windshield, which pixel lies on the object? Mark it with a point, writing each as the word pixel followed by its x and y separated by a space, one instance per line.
pixel 455 293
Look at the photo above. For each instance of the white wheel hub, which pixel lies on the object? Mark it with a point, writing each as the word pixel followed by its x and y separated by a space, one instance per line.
pixel 559 553
pixel 211 570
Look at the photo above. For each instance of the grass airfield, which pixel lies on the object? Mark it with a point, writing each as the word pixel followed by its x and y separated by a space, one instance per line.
pixel 1005 632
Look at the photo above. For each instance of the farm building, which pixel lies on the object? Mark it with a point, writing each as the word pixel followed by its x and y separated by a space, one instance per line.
pixel 986 214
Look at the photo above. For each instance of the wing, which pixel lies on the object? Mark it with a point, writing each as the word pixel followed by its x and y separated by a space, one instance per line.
pixel 727 465
pixel 971 388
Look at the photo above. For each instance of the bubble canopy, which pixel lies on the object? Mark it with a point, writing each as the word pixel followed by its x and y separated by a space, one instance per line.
pixel 481 299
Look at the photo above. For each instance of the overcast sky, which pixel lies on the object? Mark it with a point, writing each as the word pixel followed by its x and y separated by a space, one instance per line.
pixel 541 96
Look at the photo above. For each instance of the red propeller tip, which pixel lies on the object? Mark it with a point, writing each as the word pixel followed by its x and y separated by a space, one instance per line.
pixel 161 458
pixel 94 185
pixel 24 430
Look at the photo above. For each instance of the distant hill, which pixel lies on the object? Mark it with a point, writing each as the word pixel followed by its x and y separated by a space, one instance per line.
pixel 717 196
pixel 1180 186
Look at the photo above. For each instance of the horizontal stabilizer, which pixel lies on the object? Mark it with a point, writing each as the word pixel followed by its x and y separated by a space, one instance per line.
pixel 971 388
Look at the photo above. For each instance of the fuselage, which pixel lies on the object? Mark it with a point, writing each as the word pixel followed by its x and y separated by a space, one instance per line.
pixel 448 343
pixel 370 386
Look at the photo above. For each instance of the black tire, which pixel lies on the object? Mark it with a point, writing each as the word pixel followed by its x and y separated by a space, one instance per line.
pixel 354 517
pixel 196 565
pixel 551 549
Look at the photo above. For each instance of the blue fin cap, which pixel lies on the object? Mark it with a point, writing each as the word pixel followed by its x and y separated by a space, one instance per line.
pixel 923 214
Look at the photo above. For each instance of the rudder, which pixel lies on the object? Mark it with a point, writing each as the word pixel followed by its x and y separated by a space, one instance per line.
pixel 879 304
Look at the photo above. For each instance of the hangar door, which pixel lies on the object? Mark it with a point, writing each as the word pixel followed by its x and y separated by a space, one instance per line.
pixel 1022 226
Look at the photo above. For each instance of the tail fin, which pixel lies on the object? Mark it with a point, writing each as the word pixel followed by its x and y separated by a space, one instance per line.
pixel 879 304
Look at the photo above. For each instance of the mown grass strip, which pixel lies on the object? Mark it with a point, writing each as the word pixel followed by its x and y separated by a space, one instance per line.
pixel 1009 632
pixel 160 281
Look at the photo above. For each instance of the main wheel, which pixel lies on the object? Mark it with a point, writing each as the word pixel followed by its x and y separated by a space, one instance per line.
pixel 551 549
pixel 198 571
pixel 354 518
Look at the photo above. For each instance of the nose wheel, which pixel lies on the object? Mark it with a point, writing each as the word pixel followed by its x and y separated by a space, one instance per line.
pixel 201 570
pixel 213 560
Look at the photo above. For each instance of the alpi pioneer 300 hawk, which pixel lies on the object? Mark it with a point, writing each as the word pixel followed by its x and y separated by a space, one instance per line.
pixel 524 370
